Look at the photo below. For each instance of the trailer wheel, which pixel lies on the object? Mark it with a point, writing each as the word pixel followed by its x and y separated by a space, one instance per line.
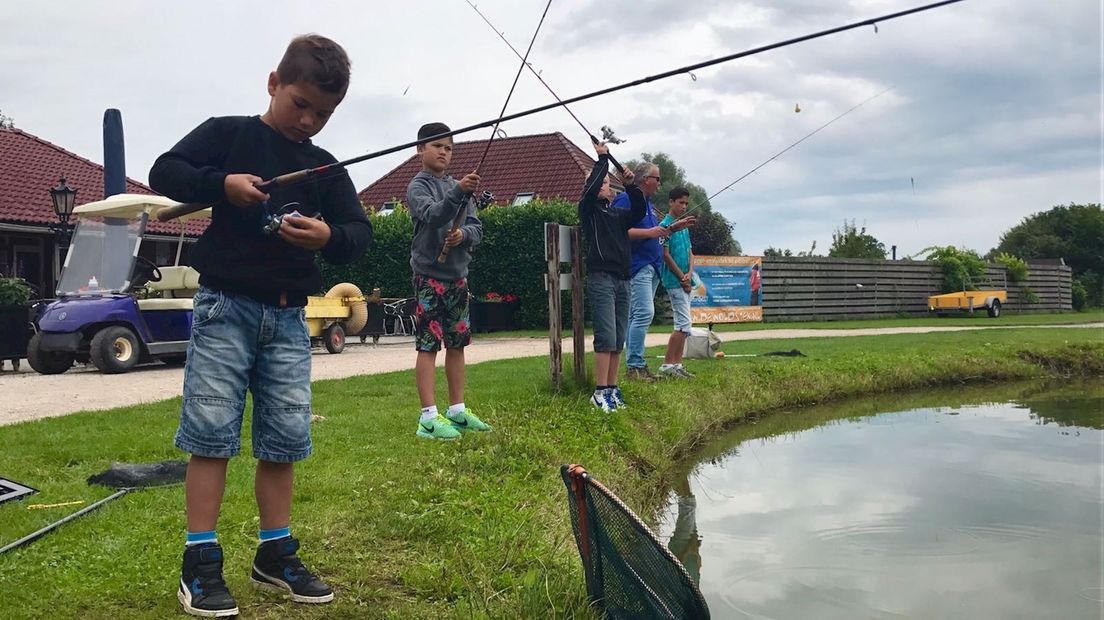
pixel 995 308
pixel 47 362
pixel 335 338
pixel 115 350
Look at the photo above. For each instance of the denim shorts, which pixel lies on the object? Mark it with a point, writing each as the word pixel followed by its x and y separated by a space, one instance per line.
pixel 680 307
pixel 609 309
pixel 240 344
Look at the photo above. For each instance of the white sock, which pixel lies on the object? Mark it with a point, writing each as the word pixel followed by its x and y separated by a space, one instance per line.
pixel 428 413
pixel 663 367
pixel 455 410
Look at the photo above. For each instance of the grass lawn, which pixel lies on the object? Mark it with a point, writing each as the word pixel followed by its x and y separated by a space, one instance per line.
pixel 407 528
pixel 1094 315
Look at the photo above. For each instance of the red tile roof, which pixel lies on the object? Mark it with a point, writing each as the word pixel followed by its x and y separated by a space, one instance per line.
pixel 30 166
pixel 548 164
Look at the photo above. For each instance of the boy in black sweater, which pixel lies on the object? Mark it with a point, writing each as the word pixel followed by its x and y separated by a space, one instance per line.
pixel 248 326
pixel 608 261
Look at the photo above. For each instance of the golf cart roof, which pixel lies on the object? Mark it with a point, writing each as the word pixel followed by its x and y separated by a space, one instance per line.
pixel 130 206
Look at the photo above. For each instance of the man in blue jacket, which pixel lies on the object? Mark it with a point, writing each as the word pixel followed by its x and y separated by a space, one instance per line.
pixel 647 260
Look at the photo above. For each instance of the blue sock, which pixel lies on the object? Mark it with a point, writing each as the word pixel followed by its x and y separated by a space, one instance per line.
pixel 267 535
pixel 195 538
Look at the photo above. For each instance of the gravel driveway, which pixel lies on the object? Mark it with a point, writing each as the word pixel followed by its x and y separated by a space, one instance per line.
pixel 27 395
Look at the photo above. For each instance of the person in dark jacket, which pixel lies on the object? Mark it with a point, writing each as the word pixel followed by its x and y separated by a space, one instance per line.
pixel 248 323
pixel 608 260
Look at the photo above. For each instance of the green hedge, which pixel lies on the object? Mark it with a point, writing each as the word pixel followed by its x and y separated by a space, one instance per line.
pixel 386 264
pixel 510 260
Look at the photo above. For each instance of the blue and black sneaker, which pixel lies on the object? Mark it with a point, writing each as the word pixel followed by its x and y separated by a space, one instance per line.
pixel 202 589
pixel 618 398
pixel 277 568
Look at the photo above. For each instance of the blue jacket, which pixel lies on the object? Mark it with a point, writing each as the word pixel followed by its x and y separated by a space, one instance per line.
pixel 644 251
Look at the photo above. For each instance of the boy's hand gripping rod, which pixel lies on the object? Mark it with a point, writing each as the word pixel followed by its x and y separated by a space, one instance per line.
pixel 303 175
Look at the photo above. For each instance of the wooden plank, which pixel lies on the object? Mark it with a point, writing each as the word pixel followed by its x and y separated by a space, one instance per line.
pixel 578 337
pixel 552 282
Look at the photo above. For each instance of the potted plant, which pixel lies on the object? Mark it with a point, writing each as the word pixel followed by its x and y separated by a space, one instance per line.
pixel 494 312
pixel 14 319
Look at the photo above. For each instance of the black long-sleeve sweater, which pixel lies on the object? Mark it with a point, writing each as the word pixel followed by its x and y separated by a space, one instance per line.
pixel 234 254
pixel 606 228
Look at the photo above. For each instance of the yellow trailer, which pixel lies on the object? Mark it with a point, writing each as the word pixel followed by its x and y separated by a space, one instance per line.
pixel 342 311
pixel 969 301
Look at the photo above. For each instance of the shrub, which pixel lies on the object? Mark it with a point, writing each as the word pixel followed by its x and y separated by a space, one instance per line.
pixel 14 292
pixel 1014 266
pixel 962 268
pixel 509 260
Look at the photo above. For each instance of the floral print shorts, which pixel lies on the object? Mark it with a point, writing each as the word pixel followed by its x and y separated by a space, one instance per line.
pixel 442 314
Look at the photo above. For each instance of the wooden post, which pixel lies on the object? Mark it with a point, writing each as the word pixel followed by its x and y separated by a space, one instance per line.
pixel 578 338
pixel 552 280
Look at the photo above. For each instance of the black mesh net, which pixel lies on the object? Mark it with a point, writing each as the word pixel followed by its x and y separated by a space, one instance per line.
pixel 629 573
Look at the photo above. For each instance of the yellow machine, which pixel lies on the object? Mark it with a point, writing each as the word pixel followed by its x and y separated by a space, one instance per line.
pixel 969 301
pixel 342 311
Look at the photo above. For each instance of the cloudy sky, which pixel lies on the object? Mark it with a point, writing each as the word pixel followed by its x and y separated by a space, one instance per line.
pixel 994 113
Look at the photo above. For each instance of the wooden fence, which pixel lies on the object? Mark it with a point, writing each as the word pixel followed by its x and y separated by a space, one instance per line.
pixel 821 288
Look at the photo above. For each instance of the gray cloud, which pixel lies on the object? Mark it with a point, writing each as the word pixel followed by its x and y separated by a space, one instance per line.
pixel 994 112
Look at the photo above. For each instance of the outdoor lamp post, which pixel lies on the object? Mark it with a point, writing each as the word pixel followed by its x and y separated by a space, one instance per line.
pixel 64 198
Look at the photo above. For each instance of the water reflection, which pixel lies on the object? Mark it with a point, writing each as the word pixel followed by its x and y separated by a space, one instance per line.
pixel 965 505
pixel 685 543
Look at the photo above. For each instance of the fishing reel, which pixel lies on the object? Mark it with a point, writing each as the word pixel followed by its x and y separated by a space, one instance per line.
pixel 272 221
pixel 609 137
pixel 484 201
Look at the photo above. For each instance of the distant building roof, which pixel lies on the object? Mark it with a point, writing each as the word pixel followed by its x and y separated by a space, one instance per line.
pixel 30 166
pixel 548 165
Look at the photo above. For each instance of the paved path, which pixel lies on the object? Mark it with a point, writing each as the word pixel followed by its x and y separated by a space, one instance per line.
pixel 26 395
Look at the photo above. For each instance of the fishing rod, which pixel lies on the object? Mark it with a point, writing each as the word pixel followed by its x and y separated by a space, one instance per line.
pixel 536 74
pixel 462 211
pixel 783 151
pixel 306 174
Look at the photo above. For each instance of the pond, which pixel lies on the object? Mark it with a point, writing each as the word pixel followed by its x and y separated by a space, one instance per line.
pixel 974 503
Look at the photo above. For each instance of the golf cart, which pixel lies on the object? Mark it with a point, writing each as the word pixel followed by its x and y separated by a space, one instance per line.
pixel 98 316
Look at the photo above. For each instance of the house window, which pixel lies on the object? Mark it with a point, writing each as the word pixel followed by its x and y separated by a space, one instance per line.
pixel 523 198
pixel 387 208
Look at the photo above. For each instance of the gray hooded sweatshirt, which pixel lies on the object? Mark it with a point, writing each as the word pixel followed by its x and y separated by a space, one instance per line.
pixel 434 202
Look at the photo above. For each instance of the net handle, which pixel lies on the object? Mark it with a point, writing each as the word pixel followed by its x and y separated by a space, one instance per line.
pixel 578 477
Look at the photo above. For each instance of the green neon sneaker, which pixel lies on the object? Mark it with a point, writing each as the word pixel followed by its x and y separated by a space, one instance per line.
pixel 437 428
pixel 467 421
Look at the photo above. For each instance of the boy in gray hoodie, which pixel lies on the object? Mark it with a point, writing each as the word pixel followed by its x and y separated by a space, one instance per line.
pixel 441 288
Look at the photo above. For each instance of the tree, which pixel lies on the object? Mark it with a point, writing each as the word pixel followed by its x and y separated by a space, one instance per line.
pixel 773 252
pixel 6 122
pixel 712 235
pixel 852 242
pixel 1074 233
pixel 672 175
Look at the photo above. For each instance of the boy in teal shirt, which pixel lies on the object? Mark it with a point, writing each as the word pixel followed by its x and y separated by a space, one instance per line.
pixel 678 269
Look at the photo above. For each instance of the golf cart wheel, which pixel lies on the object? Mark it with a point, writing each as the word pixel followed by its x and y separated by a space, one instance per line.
pixel 994 309
pixel 335 338
pixel 47 362
pixel 115 350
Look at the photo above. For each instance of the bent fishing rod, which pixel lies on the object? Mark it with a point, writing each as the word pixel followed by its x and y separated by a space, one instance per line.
pixel 462 212
pixel 309 173
pixel 593 139
pixel 783 151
